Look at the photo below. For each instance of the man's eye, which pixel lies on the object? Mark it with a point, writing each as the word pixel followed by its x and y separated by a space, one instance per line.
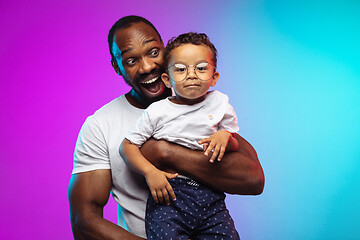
pixel 154 53
pixel 130 62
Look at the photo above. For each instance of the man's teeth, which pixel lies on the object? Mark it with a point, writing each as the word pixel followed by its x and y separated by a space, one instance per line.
pixel 150 81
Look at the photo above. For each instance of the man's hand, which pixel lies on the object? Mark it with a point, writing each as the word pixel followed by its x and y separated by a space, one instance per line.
pixel 160 187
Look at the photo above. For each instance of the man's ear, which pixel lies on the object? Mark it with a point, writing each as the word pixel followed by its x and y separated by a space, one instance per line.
pixel 166 79
pixel 115 66
pixel 214 79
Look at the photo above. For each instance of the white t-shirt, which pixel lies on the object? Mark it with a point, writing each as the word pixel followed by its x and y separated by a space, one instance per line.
pixel 185 124
pixel 97 147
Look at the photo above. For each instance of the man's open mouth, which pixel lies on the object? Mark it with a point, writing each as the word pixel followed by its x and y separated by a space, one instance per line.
pixel 150 80
pixel 153 85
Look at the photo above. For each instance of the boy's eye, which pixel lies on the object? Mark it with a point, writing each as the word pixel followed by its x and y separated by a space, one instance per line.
pixel 180 67
pixel 202 66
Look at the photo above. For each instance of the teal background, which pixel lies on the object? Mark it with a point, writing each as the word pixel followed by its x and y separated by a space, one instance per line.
pixel 290 68
pixel 297 97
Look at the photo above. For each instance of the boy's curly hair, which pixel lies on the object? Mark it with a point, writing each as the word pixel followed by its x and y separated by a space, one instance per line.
pixel 191 38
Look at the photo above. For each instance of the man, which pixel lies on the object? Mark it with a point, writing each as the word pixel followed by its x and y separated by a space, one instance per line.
pixel 137 50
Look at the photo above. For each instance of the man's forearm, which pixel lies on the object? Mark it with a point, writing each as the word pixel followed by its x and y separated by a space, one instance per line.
pixel 235 174
pixel 96 228
pixel 238 173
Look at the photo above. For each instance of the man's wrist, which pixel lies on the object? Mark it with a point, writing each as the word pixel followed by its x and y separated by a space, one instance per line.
pixel 231 135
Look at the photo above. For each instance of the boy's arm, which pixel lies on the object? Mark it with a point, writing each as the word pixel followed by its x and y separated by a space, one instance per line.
pixel 239 172
pixel 134 159
pixel 156 179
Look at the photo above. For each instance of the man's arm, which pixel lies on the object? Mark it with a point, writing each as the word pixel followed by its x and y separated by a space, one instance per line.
pixel 238 172
pixel 88 194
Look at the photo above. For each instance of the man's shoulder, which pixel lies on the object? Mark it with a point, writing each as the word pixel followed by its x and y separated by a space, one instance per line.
pixel 115 110
pixel 110 107
pixel 118 106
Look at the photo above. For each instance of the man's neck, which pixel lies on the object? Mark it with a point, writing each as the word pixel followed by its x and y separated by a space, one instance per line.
pixel 135 100
pixel 141 102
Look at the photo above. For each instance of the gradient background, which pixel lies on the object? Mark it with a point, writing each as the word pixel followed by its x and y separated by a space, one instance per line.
pixel 291 69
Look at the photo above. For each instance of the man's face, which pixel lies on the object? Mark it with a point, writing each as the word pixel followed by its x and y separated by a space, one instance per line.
pixel 138 53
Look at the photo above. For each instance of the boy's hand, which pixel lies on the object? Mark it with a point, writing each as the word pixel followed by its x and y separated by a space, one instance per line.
pixel 160 187
pixel 216 143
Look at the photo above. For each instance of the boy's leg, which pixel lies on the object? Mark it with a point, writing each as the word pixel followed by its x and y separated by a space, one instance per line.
pixel 162 222
pixel 170 221
pixel 216 222
pixel 219 226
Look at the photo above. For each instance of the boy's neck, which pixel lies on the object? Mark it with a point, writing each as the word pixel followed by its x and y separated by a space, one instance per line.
pixel 185 101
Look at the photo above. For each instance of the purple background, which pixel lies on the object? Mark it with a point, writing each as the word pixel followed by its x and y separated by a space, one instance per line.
pixel 291 70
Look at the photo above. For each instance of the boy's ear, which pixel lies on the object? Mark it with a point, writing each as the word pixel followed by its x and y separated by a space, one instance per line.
pixel 166 79
pixel 115 66
pixel 214 79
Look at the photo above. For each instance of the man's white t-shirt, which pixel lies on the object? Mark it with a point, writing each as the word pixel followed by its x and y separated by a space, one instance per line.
pixel 97 147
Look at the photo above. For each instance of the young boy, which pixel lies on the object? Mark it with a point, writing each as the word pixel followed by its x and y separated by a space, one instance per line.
pixel 195 118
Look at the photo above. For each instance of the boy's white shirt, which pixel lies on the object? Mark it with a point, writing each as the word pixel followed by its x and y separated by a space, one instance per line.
pixel 185 124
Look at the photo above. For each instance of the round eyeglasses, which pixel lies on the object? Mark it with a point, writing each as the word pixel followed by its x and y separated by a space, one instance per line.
pixel 203 71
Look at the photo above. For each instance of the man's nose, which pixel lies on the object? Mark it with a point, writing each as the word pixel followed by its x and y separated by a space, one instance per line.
pixel 147 65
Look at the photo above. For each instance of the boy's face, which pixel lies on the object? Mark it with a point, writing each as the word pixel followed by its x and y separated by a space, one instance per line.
pixel 190 89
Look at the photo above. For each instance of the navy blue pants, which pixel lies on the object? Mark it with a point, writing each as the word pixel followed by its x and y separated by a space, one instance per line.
pixel 198 213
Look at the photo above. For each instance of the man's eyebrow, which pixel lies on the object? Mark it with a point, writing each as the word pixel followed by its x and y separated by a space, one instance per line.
pixel 149 40
pixel 145 42
pixel 125 51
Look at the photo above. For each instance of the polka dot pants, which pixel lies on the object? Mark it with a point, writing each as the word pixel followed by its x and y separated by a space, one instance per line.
pixel 198 213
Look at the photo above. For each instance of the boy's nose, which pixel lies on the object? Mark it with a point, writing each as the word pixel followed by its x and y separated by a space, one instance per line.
pixel 191 72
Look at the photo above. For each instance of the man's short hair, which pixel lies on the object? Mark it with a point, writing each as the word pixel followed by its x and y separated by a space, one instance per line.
pixel 189 38
pixel 126 22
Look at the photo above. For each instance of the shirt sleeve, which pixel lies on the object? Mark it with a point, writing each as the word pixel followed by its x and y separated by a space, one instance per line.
pixel 91 152
pixel 142 131
pixel 229 121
